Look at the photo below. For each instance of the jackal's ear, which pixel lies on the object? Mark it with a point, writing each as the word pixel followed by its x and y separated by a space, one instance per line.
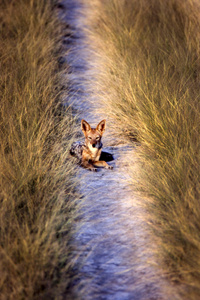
pixel 85 126
pixel 101 126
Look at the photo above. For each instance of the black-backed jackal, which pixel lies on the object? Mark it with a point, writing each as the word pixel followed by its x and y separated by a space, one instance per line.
pixel 89 152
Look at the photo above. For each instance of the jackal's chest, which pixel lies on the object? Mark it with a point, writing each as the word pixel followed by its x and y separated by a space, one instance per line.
pixel 91 155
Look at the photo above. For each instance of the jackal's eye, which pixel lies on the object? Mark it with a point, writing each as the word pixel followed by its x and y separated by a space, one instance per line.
pixel 97 138
pixel 89 138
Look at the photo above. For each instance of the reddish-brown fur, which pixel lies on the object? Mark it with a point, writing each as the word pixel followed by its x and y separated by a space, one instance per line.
pixel 92 150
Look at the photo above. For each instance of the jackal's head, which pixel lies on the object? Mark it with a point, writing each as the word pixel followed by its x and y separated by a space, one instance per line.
pixel 93 135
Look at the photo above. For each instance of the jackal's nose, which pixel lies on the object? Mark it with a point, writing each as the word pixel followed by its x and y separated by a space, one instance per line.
pixel 93 145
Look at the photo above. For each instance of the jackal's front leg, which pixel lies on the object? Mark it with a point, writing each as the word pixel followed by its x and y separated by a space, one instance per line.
pixel 88 165
pixel 102 163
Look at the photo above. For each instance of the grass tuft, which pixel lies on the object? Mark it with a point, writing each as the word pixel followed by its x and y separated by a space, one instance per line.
pixel 150 78
pixel 37 196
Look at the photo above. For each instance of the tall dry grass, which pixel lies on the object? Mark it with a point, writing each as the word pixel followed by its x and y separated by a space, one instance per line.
pixel 150 81
pixel 37 197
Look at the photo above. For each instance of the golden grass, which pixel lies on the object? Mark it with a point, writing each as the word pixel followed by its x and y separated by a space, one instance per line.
pixel 37 196
pixel 150 78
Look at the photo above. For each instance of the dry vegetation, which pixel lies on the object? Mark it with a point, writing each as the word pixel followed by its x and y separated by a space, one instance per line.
pixel 150 76
pixel 37 199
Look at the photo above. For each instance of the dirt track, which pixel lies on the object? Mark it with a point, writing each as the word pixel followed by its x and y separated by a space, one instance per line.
pixel 115 261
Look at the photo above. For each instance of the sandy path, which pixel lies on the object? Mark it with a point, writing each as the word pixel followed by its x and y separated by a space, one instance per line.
pixel 113 243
